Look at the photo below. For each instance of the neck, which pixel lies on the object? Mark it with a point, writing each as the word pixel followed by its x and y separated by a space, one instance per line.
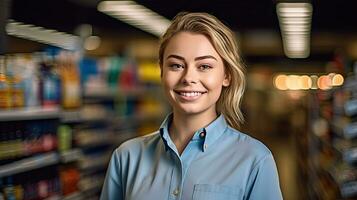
pixel 184 126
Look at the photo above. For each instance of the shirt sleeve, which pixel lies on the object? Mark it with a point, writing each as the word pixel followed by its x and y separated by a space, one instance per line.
pixel 263 182
pixel 112 187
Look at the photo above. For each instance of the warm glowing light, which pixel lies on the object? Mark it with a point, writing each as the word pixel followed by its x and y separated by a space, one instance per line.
pixel 293 82
pixel 337 80
pixel 280 82
pixel 324 82
pixel 92 43
pixel 306 82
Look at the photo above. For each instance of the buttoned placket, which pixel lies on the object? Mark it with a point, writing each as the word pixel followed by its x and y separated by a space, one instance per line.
pixel 176 177
pixel 182 163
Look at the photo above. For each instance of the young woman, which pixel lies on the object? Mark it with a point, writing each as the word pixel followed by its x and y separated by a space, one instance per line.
pixel 198 153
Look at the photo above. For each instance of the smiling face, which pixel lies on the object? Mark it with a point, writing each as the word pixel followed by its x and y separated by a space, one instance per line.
pixel 192 74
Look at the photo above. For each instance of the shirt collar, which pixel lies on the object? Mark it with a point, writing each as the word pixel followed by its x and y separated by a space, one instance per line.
pixel 208 134
pixel 164 131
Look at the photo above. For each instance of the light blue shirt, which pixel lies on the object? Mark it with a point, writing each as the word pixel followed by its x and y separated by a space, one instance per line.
pixel 219 163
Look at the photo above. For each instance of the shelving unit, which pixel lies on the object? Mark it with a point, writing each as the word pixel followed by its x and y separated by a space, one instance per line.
pixel 84 134
pixel 28 164
pixel 126 118
pixel 332 142
pixel 73 196
pixel 34 162
pixel 29 114
pixel 71 116
pixel 72 155
pixel 108 93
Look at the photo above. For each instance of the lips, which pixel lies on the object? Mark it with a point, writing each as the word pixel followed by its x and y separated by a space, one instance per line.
pixel 189 95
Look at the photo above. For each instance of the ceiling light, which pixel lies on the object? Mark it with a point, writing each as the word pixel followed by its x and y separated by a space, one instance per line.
pixel 42 35
pixel 295 26
pixel 92 43
pixel 136 15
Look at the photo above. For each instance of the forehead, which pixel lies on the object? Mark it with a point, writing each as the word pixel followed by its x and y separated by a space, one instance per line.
pixel 188 44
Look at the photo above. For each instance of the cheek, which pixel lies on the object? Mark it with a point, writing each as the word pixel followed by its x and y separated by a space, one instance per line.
pixel 164 78
pixel 170 79
pixel 168 83
pixel 214 83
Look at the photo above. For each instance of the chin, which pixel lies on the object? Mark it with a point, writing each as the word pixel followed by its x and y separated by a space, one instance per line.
pixel 191 110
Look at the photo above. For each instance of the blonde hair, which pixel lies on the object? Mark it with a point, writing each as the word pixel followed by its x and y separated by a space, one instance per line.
pixel 223 40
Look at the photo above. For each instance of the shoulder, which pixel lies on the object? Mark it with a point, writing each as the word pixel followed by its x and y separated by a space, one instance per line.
pixel 248 146
pixel 138 144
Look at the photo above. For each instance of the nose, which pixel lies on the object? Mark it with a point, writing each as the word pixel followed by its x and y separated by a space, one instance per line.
pixel 189 76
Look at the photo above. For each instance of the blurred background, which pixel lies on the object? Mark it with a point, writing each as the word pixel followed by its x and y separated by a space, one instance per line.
pixel 79 77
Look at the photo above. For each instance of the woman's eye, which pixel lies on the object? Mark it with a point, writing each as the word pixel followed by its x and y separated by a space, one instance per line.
pixel 205 67
pixel 176 66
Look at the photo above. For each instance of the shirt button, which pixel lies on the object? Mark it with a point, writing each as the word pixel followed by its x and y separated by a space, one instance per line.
pixel 202 134
pixel 176 192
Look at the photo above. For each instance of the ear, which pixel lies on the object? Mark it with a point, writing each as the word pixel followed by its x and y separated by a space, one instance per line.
pixel 227 80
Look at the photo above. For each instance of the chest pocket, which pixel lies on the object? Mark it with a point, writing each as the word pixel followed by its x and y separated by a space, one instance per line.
pixel 216 192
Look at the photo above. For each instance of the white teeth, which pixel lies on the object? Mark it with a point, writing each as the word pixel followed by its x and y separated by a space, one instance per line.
pixel 190 94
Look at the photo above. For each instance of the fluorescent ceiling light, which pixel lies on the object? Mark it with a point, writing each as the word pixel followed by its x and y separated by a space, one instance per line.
pixel 295 26
pixel 42 35
pixel 293 20
pixel 294 14
pixel 136 15
pixel 297 33
pixel 291 9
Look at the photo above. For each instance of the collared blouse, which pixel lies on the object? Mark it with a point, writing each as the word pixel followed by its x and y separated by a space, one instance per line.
pixel 219 163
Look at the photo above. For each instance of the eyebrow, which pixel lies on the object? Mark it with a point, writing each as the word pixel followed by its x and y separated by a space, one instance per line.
pixel 197 58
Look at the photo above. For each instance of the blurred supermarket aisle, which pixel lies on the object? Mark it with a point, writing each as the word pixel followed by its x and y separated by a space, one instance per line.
pixel 75 86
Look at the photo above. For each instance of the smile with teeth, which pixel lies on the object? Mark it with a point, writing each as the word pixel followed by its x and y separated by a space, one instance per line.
pixel 190 94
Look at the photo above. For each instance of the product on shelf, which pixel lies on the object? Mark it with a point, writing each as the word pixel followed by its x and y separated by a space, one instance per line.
pixel 40 184
pixel 64 134
pixel 45 79
pixel 49 82
pixel 5 95
pixel 69 180
pixel 31 81
pixel 19 139
pixel 70 77
pixel 114 70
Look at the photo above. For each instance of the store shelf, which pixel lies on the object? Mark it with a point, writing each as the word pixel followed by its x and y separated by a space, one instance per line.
pixel 54 197
pixel 77 116
pixel 74 196
pixel 95 162
pixel 30 114
pixel 107 93
pixel 86 115
pixel 28 164
pixel 94 139
pixel 90 185
pixel 71 155
pixel 71 116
